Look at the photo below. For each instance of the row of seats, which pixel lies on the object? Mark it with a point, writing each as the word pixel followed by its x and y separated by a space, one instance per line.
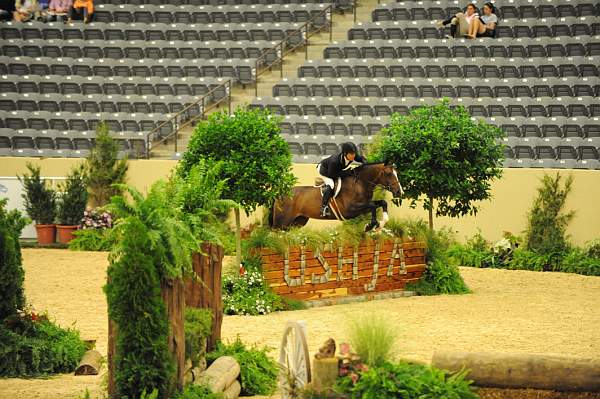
pixel 63 147
pixel 480 107
pixel 212 2
pixel 75 103
pixel 113 85
pixel 402 11
pixel 452 68
pixel 144 32
pixel 511 28
pixel 438 87
pixel 479 48
pixel 563 157
pixel 168 14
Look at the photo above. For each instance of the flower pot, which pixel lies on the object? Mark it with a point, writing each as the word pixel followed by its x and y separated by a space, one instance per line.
pixel 46 233
pixel 65 233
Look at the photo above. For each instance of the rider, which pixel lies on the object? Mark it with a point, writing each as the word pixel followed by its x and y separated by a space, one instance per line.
pixel 337 166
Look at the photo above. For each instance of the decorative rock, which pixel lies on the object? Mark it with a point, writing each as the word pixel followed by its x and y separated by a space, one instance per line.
pixel 221 374
pixel 327 350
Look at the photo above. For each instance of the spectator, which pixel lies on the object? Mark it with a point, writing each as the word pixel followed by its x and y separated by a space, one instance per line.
pixel 85 7
pixel 460 22
pixel 58 9
pixel 484 26
pixel 26 10
pixel 7 8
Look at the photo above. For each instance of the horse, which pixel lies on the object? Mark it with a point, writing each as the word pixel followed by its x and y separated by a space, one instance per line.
pixel 354 199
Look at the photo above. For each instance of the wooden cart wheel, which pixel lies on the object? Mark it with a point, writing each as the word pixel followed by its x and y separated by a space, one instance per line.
pixel 294 360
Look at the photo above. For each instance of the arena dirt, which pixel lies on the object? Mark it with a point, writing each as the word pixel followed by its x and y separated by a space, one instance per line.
pixel 508 311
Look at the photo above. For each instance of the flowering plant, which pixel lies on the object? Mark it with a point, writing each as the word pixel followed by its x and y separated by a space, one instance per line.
pixel 248 294
pixel 96 219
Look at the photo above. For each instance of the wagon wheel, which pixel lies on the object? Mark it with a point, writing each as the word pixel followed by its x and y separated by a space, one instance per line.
pixel 294 361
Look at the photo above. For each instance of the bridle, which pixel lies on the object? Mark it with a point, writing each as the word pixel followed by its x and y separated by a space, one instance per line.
pixel 370 183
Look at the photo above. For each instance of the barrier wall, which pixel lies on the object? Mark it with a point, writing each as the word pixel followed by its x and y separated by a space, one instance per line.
pixel 512 196
pixel 373 266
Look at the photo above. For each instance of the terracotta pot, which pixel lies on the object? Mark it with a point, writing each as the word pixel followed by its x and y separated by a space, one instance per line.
pixel 46 233
pixel 65 233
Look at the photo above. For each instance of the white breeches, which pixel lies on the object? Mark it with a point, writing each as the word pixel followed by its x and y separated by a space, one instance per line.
pixel 327 180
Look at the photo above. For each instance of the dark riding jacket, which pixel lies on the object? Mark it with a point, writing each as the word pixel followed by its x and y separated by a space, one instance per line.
pixel 333 166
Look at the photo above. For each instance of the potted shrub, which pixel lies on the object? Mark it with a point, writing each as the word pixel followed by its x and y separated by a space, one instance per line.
pixel 40 204
pixel 71 205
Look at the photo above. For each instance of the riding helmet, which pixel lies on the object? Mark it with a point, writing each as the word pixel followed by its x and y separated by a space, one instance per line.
pixel 349 148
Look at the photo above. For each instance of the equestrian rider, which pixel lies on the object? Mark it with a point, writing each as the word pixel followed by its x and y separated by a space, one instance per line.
pixel 335 166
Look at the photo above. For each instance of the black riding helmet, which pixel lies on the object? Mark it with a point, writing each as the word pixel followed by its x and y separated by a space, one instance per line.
pixel 349 148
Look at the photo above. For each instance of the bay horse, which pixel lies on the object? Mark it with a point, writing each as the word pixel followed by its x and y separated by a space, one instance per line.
pixel 354 199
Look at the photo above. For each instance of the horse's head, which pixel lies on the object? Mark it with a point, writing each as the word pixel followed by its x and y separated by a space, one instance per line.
pixel 388 178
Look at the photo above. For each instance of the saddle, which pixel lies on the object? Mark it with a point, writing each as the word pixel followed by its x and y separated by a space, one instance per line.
pixel 337 187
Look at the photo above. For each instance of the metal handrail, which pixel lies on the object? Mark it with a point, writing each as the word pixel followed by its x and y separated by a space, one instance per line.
pixel 173 121
pixel 282 50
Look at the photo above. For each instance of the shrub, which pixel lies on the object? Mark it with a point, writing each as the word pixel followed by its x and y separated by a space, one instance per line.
pixel 32 346
pixel 547 221
pixel 193 391
pixel 198 323
pixel 579 261
pixel 406 380
pixel 12 295
pixel 373 338
pixel 248 295
pixel 40 200
pixel 143 361
pixel 91 240
pixel 258 371
pixel 592 249
pixel 73 198
pixel 104 172
pixel 440 278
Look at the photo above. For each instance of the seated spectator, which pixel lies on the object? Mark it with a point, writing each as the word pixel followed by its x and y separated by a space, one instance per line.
pixel 485 25
pixel 26 10
pixel 58 9
pixel 85 7
pixel 7 8
pixel 459 23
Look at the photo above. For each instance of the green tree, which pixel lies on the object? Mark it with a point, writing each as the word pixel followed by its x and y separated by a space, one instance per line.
pixel 443 157
pixel 547 220
pixel 73 198
pixel 103 170
pixel 12 275
pixel 40 200
pixel 256 160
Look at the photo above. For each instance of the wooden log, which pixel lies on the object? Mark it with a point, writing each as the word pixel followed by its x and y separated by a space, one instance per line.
pixel 173 294
pixel 502 370
pixel 233 391
pixel 221 374
pixel 90 363
pixel 325 372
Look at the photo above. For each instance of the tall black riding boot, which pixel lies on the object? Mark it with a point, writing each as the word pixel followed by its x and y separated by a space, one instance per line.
pixel 324 204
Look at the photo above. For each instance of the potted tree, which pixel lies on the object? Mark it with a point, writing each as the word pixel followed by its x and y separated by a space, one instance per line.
pixel 71 204
pixel 40 204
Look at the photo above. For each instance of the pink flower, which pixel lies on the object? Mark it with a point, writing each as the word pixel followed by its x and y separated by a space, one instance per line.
pixel 354 378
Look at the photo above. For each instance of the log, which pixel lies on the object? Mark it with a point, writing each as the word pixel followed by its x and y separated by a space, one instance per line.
pixel 325 372
pixel 233 391
pixel 90 363
pixel 221 374
pixel 502 370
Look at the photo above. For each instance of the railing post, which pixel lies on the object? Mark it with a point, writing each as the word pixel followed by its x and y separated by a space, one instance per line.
pixel 306 42
pixel 331 23
pixel 229 98
pixel 354 6
pixel 256 77
pixel 176 133
pixel 281 58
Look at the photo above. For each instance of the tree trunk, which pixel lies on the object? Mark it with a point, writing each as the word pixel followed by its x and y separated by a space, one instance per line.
pixel 238 238
pixel 431 216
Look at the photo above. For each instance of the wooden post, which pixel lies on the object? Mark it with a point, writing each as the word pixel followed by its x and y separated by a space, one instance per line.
pixel 206 293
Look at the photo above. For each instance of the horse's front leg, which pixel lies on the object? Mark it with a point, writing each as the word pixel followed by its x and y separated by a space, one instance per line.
pixel 372 207
pixel 384 207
